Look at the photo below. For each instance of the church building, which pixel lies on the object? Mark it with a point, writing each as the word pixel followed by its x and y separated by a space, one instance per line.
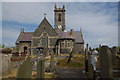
pixel 52 38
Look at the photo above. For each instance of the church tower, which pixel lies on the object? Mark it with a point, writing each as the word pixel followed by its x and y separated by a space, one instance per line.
pixel 59 18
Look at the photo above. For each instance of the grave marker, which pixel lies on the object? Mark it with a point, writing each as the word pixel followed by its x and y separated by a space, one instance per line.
pixel 25 69
pixel 40 67
pixel 106 62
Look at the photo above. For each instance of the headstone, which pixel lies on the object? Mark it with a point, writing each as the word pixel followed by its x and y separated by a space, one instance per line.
pixel 52 62
pixel 106 63
pixel 25 69
pixel 90 67
pixel 86 56
pixel 114 53
pixel 6 64
pixel 40 67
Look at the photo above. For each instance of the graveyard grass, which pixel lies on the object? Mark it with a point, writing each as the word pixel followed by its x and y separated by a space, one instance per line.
pixel 77 61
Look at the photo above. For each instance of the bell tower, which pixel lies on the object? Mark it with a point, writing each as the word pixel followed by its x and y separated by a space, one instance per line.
pixel 59 18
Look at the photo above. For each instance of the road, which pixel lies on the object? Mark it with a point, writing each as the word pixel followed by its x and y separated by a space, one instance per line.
pixel 69 74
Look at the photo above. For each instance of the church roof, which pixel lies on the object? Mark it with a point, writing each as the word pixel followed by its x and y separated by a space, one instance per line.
pixel 24 36
pixel 65 35
pixel 77 36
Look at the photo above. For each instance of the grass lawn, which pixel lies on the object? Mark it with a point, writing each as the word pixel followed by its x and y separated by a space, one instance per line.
pixel 77 61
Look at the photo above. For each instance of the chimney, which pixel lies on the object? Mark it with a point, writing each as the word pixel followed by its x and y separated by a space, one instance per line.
pixel 63 6
pixel 72 32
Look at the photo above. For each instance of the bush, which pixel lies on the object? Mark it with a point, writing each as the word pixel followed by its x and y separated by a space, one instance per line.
pixel 6 50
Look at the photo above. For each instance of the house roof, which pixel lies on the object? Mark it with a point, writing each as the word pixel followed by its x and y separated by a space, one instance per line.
pixel 24 36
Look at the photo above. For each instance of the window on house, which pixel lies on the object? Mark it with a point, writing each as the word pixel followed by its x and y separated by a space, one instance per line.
pixel 62 44
pixel 65 43
pixel 69 45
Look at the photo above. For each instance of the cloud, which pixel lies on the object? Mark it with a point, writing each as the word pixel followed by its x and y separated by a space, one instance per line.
pixel 27 12
pixel 99 23
pixel 9 36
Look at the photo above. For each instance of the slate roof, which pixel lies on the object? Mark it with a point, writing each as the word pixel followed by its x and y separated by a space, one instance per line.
pixel 65 35
pixel 77 36
pixel 24 36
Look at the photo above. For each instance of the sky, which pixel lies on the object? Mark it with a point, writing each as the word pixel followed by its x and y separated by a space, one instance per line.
pixel 98 20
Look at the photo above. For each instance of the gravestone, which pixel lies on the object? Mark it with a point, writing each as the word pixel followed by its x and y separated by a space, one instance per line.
pixel 86 56
pixel 40 67
pixel 114 53
pixel 90 67
pixel 106 63
pixel 6 64
pixel 52 62
pixel 25 69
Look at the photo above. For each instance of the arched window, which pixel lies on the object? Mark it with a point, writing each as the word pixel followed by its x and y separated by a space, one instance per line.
pixel 59 17
pixel 44 40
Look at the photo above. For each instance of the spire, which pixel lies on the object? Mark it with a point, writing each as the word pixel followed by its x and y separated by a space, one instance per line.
pixel 55 6
pixel 63 6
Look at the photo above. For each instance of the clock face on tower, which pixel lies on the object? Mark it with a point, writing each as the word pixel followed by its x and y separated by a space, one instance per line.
pixel 59 26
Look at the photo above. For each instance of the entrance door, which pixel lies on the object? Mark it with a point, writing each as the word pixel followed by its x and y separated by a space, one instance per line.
pixel 25 50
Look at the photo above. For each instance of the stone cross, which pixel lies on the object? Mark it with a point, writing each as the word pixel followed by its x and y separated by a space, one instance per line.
pixel 25 69
pixel 106 62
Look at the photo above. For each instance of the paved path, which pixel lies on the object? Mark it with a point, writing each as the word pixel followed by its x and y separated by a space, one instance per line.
pixel 70 73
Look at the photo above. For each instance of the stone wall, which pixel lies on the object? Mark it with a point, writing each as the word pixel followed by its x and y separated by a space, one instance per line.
pixel 21 45
pixel 79 47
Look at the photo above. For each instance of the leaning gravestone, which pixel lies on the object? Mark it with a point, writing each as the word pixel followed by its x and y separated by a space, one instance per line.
pixel 40 67
pixel 25 69
pixel 106 63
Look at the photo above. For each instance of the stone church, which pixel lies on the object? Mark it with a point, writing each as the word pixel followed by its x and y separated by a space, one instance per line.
pixel 55 39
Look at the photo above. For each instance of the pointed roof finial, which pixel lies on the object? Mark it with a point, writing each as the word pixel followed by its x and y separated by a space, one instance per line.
pixel 45 15
pixel 22 30
pixel 55 6
pixel 63 6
